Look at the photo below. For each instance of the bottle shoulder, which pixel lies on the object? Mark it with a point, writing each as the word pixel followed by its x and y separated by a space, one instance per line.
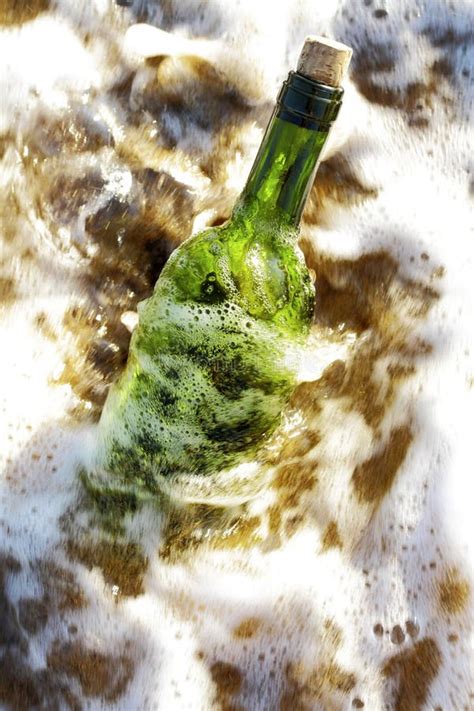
pixel 256 265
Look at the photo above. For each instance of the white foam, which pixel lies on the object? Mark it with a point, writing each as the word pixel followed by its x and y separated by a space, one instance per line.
pixel 292 586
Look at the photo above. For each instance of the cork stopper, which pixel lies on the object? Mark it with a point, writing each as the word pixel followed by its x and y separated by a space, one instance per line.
pixel 324 60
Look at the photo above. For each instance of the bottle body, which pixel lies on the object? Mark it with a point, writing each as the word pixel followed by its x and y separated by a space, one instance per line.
pixel 212 361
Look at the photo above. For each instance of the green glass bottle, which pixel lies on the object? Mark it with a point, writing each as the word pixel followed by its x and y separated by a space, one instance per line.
pixel 213 360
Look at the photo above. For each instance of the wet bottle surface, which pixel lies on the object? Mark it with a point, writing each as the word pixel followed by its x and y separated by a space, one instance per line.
pixel 213 360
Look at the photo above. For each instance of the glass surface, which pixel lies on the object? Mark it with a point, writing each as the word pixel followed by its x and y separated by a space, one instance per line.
pixel 212 362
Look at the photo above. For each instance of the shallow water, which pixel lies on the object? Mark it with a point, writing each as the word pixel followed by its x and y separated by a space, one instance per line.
pixel 347 583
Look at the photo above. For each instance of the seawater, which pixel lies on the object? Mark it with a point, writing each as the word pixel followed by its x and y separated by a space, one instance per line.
pixel 348 579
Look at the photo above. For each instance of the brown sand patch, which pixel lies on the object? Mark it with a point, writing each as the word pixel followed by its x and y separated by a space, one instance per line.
pixel 186 529
pixel 61 593
pixel 367 395
pixel 248 628
pixel 303 689
pixel 122 564
pixel 23 688
pixel 76 130
pixel 367 295
pixel 369 61
pixel 336 183
pixel 191 86
pixel 244 533
pixel 16 12
pixel 412 628
pixel 8 292
pixel 414 670
pixel 358 293
pixel 99 674
pixel 61 589
pixel 292 480
pixel 33 614
pixel 161 209
pixel 295 692
pixel 332 634
pixel 44 327
pixel 227 677
pixel 331 537
pixel 10 631
pixel 295 447
pixel 447 36
pixel 453 592
pixel 372 65
pixel 93 361
pixel 339 679
pixel 373 478
pixel 228 680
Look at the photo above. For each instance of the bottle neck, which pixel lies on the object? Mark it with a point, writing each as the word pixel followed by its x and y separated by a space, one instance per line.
pixel 286 163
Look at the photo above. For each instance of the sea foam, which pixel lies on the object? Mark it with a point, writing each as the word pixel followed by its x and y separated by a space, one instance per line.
pixel 347 582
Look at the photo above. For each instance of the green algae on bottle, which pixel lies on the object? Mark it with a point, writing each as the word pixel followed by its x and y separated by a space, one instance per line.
pixel 212 361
